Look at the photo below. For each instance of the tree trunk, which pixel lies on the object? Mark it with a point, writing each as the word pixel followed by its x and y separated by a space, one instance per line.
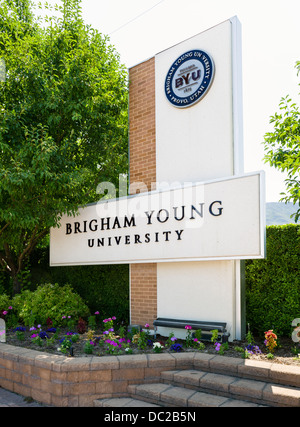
pixel 16 284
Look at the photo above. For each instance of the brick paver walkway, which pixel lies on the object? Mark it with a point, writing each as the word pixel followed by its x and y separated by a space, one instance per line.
pixel 9 399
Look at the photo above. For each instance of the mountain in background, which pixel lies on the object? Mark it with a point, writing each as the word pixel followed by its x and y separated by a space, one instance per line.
pixel 280 213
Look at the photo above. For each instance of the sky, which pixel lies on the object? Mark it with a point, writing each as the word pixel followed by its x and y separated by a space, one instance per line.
pixel 139 29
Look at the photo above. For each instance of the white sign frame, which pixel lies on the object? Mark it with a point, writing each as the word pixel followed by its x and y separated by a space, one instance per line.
pixel 161 237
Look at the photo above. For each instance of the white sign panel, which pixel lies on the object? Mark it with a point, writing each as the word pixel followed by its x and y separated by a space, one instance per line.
pixel 214 220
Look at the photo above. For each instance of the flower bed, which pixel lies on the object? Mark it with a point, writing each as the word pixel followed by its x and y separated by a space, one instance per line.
pixel 103 338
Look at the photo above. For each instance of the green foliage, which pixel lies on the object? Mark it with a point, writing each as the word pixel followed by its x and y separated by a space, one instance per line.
pixel 282 147
pixel 198 334
pixel 5 302
pixel 214 335
pixel 88 348
pixel 49 300
pixel 273 284
pixel 63 123
pixel 65 345
pixel 104 288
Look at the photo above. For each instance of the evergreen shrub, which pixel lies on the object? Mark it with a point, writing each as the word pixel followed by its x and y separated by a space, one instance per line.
pixel 273 283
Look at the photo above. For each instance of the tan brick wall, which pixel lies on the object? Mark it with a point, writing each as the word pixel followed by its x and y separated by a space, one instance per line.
pixel 142 149
pixel 77 381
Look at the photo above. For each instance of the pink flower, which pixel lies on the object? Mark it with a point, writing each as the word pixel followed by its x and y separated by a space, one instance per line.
pixel 114 318
pixel 10 307
pixel 147 325
pixel 97 312
pixel 5 312
pixel 188 327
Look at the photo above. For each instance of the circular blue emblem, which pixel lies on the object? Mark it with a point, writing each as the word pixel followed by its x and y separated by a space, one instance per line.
pixel 189 78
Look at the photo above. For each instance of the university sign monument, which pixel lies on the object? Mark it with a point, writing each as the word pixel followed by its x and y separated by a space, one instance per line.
pixel 192 215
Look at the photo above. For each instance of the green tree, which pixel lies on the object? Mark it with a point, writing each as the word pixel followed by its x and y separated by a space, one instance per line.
pixel 63 123
pixel 282 147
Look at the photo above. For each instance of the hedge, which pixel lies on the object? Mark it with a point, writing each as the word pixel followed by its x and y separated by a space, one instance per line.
pixel 273 284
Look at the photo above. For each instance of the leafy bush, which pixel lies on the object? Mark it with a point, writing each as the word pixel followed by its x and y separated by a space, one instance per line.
pixel 104 288
pixel 273 284
pixel 5 302
pixel 49 301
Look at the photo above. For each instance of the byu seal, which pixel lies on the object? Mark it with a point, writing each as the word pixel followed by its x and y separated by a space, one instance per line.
pixel 189 78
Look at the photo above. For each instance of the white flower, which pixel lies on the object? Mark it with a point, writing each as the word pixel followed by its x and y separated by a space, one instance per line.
pixel 157 345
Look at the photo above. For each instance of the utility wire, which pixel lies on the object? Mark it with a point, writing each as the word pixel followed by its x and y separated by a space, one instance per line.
pixel 137 17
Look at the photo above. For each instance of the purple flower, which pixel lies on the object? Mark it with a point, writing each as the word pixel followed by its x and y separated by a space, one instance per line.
pixel 20 328
pixel 217 346
pixel 43 335
pixel 176 347
pixel 253 349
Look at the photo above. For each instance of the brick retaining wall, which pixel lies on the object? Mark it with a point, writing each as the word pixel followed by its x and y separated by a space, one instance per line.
pixel 65 381
pixel 77 382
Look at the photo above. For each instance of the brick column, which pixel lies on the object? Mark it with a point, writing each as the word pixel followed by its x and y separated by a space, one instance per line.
pixel 142 149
